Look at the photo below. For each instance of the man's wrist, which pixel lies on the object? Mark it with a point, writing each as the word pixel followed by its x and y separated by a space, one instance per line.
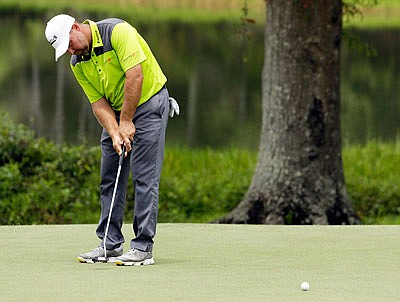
pixel 125 119
pixel 126 115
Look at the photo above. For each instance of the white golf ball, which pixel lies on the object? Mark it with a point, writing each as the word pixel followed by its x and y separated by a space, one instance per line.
pixel 305 286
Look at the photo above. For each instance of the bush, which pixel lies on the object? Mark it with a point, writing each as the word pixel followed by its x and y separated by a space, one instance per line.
pixel 41 182
pixel 373 179
pixel 203 185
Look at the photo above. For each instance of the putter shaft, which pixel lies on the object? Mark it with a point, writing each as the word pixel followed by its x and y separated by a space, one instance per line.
pixel 121 159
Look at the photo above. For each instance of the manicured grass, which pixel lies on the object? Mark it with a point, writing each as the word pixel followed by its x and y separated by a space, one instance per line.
pixel 206 262
pixel 151 11
pixel 385 14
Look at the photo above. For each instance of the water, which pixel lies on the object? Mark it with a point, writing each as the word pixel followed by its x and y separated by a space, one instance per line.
pixel 220 97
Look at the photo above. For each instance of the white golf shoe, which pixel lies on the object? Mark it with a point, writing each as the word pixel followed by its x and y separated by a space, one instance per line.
pixel 135 257
pixel 98 252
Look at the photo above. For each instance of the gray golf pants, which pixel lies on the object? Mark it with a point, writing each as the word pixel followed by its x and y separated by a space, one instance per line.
pixel 145 162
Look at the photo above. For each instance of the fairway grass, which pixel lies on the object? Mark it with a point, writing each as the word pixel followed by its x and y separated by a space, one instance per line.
pixel 206 262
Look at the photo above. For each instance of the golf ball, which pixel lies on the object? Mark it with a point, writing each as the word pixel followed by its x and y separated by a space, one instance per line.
pixel 305 286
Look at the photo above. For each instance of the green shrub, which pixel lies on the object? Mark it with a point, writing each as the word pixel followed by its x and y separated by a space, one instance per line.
pixel 373 179
pixel 41 182
pixel 202 185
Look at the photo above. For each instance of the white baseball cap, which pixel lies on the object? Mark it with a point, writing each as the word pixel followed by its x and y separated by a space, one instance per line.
pixel 57 33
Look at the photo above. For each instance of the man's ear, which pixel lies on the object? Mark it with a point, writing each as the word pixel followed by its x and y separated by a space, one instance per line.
pixel 76 26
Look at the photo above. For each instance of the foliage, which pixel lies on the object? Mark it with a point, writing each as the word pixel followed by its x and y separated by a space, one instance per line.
pixel 202 185
pixel 44 183
pixel 371 13
pixel 352 8
pixel 41 182
pixel 372 178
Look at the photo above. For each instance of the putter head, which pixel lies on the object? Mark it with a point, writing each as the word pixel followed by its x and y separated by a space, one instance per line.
pixel 100 260
pixel 94 260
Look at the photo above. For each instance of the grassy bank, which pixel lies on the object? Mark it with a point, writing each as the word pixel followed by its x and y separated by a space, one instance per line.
pixel 385 14
pixel 191 11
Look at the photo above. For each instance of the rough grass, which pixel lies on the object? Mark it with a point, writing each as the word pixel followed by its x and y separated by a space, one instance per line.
pixel 373 180
pixel 203 184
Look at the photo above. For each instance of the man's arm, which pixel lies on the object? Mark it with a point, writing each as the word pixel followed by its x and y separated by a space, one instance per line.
pixel 106 117
pixel 132 94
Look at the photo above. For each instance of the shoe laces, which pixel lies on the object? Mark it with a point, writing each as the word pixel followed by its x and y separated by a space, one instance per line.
pixel 131 251
pixel 98 250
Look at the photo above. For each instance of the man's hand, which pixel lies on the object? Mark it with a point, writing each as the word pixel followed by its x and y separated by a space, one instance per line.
pixel 127 132
pixel 117 144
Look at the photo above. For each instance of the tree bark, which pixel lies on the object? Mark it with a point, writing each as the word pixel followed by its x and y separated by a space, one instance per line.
pixel 192 108
pixel 299 174
pixel 59 116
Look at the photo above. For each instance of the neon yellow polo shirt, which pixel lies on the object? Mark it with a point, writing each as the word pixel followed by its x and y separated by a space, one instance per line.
pixel 116 47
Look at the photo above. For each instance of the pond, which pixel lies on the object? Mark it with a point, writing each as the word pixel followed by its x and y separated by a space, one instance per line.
pixel 219 95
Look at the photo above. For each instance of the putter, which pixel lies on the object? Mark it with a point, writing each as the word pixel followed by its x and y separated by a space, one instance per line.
pixel 105 258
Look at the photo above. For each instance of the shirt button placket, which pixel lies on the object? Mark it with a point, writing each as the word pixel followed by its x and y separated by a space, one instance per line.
pixel 98 67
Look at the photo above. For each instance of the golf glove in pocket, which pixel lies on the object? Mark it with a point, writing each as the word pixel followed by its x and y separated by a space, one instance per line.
pixel 173 107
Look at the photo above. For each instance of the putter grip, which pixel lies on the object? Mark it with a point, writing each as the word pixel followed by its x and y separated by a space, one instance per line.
pixel 121 157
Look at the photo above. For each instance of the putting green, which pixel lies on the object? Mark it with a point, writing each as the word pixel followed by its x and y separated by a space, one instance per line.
pixel 206 262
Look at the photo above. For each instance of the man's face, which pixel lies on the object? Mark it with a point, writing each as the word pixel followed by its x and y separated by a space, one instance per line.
pixel 78 43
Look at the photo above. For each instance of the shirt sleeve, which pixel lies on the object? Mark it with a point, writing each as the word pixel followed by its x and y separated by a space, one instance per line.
pixel 90 91
pixel 125 42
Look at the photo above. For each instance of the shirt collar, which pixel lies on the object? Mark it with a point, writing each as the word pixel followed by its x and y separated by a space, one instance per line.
pixel 96 38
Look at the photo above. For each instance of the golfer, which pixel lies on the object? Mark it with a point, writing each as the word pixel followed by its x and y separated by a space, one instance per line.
pixel 126 89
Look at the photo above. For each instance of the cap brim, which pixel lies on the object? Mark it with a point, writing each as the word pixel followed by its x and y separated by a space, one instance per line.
pixel 62 49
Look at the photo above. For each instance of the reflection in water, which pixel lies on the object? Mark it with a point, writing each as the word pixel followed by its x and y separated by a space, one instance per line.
pixel 220 98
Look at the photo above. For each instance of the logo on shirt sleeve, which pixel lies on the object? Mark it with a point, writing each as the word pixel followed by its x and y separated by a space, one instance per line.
pixel 130 57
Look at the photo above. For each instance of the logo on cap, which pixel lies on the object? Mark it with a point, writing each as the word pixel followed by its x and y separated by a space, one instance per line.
pixel 53 40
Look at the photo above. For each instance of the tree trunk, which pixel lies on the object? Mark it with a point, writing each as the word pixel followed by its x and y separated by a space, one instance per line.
pixel 192 108
pixel 59 116
pixel 299 174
